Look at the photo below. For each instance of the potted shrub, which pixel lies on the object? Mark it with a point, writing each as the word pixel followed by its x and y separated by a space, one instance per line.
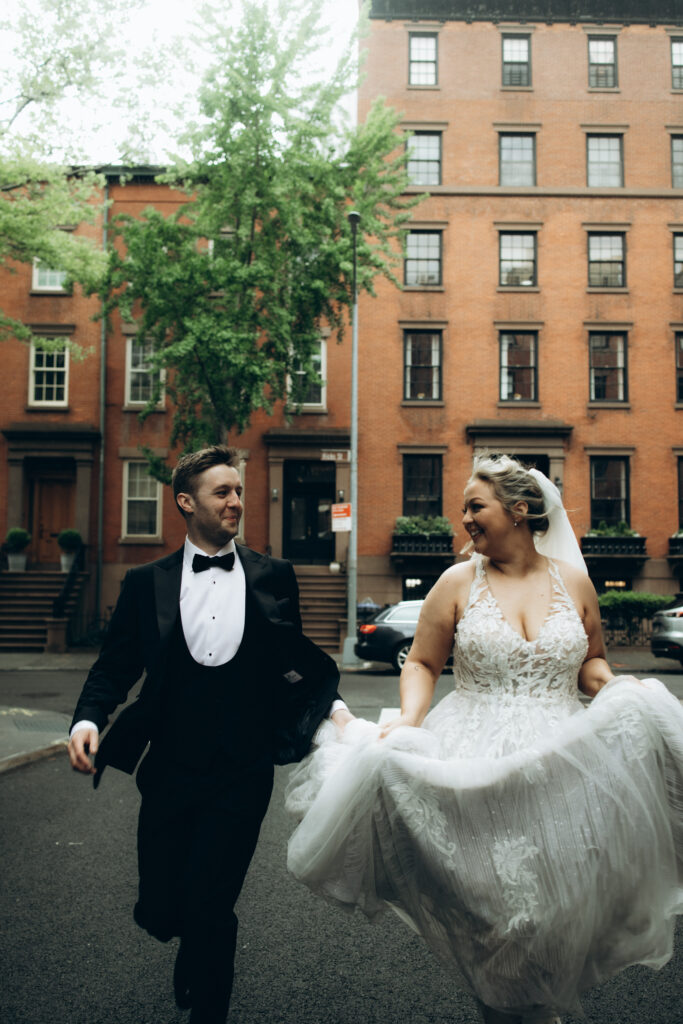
pixel 427 534
pixel 16 542
pixel 615 539
pixel 69 541
pixel 676 543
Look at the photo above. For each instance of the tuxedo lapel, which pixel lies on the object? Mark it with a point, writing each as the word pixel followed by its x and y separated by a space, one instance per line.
pixel 167 578
pixel 257 572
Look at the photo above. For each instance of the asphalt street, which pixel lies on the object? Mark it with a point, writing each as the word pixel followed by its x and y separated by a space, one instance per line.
pixel 71 953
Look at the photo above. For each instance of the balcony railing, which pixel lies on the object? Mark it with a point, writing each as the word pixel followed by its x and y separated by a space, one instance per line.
pixel 624 547
pixel 421 544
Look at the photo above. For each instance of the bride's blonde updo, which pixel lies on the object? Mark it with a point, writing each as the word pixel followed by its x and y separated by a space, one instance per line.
pixel 511 483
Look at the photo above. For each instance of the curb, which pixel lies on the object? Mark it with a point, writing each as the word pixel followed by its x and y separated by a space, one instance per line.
pixel 8 764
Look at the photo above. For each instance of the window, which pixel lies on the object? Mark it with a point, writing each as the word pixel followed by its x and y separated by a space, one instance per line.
pixel 605 165
pixel 312 394
pixel 678 261
pixel 517 159
pixel 142 379
pixel 517 258
pixel 422 485
pixel 677 63
pixel 518 375
pixel 606 261
pixel 423 258
pixel 422 354
pixel 141 501
pixel 516 63
pixel 608 367
pixel 45 279
pixel 677 161
pixel 680 493
pixel 422 59
pixel 49 377
pixel 609 490
pixel 602 62
pixel 679 366
pixel 424 158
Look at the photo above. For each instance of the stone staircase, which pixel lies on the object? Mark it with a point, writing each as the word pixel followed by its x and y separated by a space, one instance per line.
pixel 26 600
pixel 323 604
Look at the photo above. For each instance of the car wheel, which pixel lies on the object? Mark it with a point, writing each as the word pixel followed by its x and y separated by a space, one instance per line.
pixel 400 654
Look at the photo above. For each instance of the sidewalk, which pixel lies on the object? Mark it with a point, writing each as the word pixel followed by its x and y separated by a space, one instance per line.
pixel 26 734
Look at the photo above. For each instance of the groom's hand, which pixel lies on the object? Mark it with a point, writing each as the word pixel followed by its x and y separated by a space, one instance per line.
pixel 82 745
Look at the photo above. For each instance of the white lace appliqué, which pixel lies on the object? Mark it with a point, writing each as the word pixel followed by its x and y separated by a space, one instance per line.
pixel 518 881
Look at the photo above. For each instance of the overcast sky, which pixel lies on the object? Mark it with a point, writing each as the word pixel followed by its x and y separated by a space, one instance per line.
pixel 161 21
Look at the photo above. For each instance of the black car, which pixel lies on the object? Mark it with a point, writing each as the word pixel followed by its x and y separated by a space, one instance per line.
pixel 389 635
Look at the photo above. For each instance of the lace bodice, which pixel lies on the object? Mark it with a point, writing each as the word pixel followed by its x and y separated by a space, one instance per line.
pixel 492 657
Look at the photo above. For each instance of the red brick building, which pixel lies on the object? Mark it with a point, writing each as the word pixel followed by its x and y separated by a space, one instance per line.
pixel 542 308
pixel 541 314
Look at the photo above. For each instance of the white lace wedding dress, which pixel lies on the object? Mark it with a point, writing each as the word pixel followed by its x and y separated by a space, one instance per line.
pixel 536 845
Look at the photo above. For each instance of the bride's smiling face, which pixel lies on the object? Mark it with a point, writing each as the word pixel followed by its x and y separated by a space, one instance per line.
pixel 484 517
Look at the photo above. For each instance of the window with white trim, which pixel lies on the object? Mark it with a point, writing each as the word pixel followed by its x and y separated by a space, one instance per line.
pixel 424 158
pixel 422 60
pixel 679 365
pixel 608 380
pixel 48 378
pixel 606 260
pixel 423 258
pixel 677 63
pixel 517 159
pixel 516 60
pixel 311 395
pixel 422 371
pixel 518 366
pixel 142 495
pixel 605 161
pixel 610 498
pixel 46 279
pixel 602 62
pixel 142 379
pixel 517 267
pixel 678 261
pixel 677 161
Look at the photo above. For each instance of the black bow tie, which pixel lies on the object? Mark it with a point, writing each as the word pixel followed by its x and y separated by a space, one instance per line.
pixel 202 562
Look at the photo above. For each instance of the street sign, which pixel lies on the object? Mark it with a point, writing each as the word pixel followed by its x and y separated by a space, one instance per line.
pixel 341 517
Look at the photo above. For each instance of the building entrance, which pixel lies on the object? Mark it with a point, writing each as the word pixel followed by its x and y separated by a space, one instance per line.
pixel 51 509
pixel 307 507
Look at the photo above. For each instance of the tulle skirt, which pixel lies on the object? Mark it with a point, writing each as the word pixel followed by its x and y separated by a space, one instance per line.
pixel 536 846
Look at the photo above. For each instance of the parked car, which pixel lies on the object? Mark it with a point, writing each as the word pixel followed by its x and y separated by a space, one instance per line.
pixel 667 631
pixel 389 634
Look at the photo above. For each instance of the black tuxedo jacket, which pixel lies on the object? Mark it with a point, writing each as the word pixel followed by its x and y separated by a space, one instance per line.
pixel 302 676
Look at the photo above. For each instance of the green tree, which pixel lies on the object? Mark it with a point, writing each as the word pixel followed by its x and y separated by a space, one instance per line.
pixel 233 290
pixel 54 51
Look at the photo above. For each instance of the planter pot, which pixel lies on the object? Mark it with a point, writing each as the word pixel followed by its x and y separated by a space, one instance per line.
pixel 66 560
pixel 625 546
pixel 419 543
pixel 676 545
pixel 16 561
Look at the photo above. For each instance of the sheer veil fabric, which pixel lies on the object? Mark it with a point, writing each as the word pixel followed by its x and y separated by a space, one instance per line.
pixel 536 845
pixel 559 540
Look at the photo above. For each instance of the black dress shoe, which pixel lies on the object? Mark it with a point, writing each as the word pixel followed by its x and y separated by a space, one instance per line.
pixel 181 979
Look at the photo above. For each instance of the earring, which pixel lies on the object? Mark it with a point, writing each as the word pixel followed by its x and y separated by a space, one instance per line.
pixel 516 522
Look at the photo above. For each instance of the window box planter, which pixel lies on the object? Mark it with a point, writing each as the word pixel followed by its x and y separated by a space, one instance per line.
pixel 421 544
pixel 614 546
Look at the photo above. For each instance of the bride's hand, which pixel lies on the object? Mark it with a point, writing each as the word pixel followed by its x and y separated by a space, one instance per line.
pixel 396 723
pixel 342 717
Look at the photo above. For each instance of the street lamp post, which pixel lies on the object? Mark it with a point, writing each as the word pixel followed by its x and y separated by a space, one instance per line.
pixel 348 657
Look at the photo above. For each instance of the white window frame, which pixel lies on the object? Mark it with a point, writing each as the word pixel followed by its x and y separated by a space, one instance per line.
pixel 320 406
pixel 47 286
pixel 129 401
pixel 37 403
pixel 125 533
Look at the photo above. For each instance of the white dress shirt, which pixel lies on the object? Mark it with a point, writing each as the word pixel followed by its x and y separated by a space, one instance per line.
pixel 212 612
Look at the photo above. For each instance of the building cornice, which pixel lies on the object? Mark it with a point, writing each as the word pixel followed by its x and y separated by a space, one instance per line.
pixel 579 12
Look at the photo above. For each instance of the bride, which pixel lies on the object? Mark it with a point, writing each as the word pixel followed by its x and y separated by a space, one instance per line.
pixel 536 845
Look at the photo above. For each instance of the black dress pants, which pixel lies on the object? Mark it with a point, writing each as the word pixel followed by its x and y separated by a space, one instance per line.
pixel 196 838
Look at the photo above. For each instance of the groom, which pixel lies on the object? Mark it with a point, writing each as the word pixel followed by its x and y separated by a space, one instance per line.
pixel 232 686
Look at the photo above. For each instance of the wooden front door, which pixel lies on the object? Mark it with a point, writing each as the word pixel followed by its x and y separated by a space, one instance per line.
pixel 53 508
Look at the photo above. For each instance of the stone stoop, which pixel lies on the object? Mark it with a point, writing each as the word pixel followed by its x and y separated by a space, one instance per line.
pixel 26 600
pixel 322 598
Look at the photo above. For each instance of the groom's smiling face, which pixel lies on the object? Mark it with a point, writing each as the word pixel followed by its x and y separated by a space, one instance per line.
pixel 215 508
